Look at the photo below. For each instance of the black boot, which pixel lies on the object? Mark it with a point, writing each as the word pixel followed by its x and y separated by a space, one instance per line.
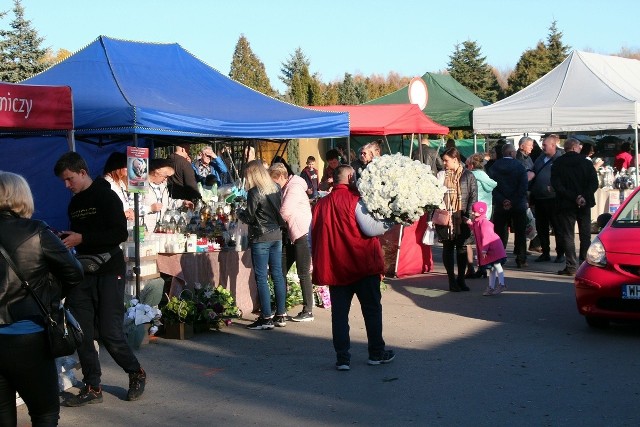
pixel 462 285
pixel 461 259
pixel 471 273
pixel 453 285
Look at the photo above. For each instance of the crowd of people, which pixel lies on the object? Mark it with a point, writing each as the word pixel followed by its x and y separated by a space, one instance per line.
pixel 288 223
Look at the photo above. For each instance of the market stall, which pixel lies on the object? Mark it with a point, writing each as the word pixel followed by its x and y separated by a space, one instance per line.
pixel 145 94
pixel 137 93
pixel 587 92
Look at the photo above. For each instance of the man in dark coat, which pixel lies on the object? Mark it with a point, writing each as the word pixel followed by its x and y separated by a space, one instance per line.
pixel 182 184
pixel 575 181
pixel 543 198
pixel 429 156
pixel 510 201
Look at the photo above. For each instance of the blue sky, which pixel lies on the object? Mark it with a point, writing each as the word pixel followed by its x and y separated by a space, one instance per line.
pixel 410 37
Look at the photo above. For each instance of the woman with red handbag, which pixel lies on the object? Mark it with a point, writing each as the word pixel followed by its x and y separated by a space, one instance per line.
pixel 462 193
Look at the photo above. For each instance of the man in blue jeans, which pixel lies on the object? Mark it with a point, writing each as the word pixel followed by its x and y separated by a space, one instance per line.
pixel 343 232
pixel 98 226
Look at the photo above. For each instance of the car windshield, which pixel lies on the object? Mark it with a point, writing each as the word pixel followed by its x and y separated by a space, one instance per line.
pixel 630 215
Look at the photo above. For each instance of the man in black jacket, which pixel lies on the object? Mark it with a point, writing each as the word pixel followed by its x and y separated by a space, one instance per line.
pixel 575 181
pixel 98 226
pixel 543 197
pixel 510 201
pixel 182 184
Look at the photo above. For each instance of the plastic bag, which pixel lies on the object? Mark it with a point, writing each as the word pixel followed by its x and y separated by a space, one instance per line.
pixel 429 237
pixel 531 225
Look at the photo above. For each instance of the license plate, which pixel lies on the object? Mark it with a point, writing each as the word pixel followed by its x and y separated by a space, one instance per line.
pixel 631 292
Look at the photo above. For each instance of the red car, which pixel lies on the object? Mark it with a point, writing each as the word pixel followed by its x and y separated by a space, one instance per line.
pixel 608 283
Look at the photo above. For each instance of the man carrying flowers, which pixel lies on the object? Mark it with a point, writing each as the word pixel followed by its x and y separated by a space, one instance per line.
pixel 343 230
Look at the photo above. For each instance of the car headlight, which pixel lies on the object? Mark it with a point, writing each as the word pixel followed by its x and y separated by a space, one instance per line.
pixel 596 254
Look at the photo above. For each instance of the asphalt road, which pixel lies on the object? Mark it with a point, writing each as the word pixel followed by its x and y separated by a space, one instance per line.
pixel 522 358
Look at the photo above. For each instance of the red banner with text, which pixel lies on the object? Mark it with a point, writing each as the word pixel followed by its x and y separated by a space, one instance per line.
pixel 30 107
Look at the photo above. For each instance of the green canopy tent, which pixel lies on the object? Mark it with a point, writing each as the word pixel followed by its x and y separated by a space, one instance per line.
pixel 448 102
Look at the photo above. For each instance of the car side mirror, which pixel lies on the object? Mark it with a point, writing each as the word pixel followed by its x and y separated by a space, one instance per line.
pixel 603 219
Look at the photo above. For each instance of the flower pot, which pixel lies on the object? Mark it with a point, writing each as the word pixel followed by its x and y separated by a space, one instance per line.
pixel 178 331
pixel 138 335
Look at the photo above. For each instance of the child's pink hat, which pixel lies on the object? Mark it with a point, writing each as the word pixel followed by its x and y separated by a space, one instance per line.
pixel 479 207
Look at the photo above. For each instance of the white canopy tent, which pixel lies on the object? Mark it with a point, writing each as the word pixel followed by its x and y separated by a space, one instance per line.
pixel 586 92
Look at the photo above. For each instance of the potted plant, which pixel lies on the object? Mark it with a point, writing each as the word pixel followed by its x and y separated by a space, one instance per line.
pixel 142 316
pixel 215 306
pixel 178 316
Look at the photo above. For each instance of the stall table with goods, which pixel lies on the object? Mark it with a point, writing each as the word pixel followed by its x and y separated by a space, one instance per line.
pixel 205 245
pixel 613 190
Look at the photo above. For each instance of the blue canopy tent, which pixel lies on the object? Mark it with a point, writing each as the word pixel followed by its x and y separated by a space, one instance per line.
pixel 127 93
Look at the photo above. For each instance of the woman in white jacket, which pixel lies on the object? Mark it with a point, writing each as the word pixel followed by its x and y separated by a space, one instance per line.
pixel 296 211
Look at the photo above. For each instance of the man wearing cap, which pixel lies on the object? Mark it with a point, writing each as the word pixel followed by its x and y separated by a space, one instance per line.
pixel 210 164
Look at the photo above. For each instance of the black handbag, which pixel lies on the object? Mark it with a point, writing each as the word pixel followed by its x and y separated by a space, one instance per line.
pixel 63 330
pixel 92 263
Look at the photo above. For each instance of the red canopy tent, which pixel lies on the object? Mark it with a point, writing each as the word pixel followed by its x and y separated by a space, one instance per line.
pixel 390 119
pixel 403 249
pixel 27 107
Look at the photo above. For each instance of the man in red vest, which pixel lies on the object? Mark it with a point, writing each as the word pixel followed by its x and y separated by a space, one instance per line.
pixel 348 258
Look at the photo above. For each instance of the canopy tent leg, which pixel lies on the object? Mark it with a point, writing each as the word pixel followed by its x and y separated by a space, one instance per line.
pixel 411 145
pixel 475 143
pixel 388 146
pixel 395 269
pixel 71 140
pixel 636 135
pixel 136 232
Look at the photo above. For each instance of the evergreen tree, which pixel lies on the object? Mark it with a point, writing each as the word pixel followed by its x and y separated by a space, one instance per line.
pixel 362 92
pixel 533 64
pixel 294 65
pixel 247 68
pixel 299 91
pixel 21 54
pixel 557 51
pixel 468 67
pixel 316 94
pixel 330 94
pixel 347 94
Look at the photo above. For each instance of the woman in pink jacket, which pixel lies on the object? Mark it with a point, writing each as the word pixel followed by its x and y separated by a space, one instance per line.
pixel 491 253
pixel 296 211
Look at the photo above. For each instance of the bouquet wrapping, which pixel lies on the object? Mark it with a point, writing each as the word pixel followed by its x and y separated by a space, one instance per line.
pixel 394 187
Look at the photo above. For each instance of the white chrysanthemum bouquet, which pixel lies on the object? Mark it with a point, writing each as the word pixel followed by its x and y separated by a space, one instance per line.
pixel 394 187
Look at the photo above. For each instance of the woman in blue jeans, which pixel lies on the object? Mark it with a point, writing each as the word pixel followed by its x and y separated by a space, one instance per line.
pixel 263 218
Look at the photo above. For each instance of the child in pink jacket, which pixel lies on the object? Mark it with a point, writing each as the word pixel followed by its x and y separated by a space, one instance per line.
pixel 491 254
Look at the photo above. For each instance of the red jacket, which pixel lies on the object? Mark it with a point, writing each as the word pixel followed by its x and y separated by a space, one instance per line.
pixel 341 253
